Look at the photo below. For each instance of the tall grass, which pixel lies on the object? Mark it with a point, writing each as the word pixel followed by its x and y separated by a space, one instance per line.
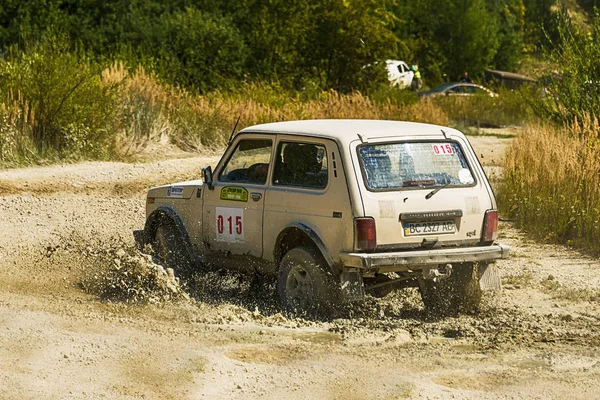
pixel 552 183
pixel 54 106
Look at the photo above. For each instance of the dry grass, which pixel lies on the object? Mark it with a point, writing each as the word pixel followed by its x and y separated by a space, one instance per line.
pixel 552 184
pixel 150 110
pixel 123 111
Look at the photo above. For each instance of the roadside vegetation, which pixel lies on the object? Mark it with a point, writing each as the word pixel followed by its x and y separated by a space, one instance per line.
pixel 552 170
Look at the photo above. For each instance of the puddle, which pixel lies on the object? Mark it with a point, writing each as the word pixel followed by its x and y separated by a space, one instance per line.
pixel 271 355
pixel 318 337
pixel 466 348
pixel 536 362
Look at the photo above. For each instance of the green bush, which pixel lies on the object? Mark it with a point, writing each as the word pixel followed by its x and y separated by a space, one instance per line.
pixel 59 106
pixel 200 51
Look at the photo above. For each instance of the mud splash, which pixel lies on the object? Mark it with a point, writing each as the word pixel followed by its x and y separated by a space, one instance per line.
pixel 125 274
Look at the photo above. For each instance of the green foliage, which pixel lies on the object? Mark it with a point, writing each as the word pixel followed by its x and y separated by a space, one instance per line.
pixel 301 45
pixel 572 92
pixel 349 35
pixel 200 51
pixel 539 24
pixel 510 33
pixel 449 37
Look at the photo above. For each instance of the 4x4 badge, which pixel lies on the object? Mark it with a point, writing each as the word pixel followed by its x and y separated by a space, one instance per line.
pixel 234 193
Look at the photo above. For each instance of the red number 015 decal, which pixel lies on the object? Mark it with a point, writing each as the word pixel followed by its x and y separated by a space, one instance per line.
pixel 442 148
pixel 230 224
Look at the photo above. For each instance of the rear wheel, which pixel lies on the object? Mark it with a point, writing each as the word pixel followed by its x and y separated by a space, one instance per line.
pixel 169 248
pixel 305 284
pixel 459 293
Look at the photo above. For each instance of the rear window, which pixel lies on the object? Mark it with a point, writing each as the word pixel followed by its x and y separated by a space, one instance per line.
pixel 414 164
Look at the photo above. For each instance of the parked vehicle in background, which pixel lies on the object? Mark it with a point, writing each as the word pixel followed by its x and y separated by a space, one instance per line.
pixel 458 89
pixel 335 209
pixel 399 74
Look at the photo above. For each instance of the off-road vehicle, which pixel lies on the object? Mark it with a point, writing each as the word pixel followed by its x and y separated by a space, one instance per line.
pixel 337 208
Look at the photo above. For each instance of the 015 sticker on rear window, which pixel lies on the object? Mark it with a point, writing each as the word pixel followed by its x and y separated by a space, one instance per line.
pixel 442 148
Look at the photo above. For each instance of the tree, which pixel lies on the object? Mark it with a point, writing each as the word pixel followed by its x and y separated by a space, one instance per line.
pixel 199 50
pixel 350 34
pixel 573 93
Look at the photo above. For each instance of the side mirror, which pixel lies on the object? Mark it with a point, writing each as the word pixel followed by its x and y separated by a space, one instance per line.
pixel 208 177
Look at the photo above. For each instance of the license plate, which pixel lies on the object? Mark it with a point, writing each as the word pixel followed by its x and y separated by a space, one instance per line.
pixel 428 228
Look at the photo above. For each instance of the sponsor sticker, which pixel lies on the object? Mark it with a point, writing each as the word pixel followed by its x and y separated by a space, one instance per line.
pixel 234 193
pixel 175 191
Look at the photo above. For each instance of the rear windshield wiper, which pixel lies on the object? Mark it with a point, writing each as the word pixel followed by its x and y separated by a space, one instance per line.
pixel 434 191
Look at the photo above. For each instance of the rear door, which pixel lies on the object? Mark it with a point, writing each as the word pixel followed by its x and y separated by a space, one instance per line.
pixel 308 189
pixel 423 192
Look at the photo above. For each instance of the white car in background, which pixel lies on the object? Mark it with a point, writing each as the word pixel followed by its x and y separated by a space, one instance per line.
pixel 399 74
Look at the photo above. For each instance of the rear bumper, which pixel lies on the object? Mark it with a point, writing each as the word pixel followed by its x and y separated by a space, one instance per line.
pixel 404 260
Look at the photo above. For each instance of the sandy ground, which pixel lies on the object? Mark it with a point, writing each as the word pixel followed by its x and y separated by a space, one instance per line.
pixel 66 229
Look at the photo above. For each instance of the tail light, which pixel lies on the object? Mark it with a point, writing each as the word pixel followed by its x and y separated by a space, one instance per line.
pixel 365 234
pixel 490 227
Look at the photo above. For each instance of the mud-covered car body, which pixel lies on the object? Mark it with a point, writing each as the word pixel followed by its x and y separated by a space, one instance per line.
pixel 365 198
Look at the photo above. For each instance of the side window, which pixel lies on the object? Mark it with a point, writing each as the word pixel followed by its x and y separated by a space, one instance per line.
pixel 249 162
pixel 300 164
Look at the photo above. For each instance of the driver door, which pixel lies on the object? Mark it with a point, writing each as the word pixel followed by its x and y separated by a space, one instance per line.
pixel 233 210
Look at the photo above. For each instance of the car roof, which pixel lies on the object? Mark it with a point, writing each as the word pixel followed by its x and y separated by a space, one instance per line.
pixel 394 62
pixel 347 130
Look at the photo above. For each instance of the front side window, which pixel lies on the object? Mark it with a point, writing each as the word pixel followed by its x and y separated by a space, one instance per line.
pixel 414 164
pixel 249 162
pixel 301 164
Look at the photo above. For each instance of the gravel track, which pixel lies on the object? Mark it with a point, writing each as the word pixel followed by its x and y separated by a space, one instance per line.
pixel 84 316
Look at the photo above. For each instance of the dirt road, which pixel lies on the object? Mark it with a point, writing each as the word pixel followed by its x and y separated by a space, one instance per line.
pixel 66 230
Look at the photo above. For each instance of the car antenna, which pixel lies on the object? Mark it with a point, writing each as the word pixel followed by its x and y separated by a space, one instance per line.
pixel 233 131
pixel 445 137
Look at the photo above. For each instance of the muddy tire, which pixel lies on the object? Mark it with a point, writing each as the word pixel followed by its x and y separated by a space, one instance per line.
pixel 169 248
pixel 305 285
pixel 460 293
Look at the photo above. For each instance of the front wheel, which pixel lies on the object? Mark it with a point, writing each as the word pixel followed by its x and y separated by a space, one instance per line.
pixel 305 284
pixel 459 293
pixel 169 248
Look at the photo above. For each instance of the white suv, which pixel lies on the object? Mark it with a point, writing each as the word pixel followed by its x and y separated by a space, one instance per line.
pixel 335 209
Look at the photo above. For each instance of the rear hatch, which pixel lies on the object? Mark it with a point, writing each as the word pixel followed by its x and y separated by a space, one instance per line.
pixel 423 193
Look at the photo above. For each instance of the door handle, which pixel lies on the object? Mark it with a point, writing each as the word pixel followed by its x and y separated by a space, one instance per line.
pixel 255 196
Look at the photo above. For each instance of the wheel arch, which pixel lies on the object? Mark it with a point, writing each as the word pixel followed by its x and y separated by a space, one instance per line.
pixel 164 212
pixel 299 234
